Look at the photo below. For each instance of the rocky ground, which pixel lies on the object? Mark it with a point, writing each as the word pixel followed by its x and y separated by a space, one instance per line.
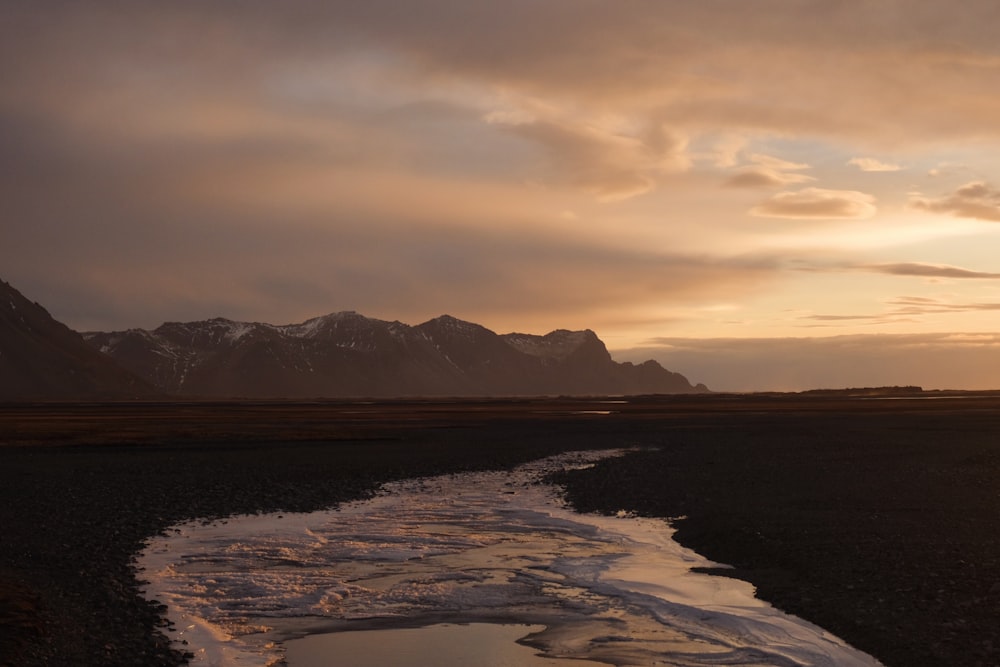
pixel 875 519
pixel 879 526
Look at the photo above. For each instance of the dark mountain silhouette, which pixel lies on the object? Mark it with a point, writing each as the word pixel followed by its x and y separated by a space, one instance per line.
pixel 43 359
pixel 348 355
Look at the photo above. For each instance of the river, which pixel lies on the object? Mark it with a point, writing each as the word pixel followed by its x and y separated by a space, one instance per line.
pixel 432 571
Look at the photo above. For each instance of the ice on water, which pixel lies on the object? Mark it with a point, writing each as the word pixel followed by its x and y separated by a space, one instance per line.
pixel 492 547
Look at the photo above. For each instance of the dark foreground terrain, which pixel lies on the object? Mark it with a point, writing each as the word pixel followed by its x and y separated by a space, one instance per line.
pixel 876 519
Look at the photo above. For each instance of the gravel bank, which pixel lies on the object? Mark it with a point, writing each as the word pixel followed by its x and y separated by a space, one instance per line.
pixel 876 521
pixel 881 527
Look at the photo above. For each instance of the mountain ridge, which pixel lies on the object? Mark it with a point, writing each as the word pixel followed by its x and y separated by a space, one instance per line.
pixel 339 355
pixel 346 354
pixel 43 359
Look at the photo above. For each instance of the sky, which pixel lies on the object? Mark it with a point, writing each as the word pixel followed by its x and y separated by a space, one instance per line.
pixel 764 194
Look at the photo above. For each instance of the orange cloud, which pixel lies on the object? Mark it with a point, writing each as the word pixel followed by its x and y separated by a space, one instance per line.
pixel 974 200
pixel 609 165
pixel 928 271
pixel 769 172
pixel 817 204
pixel 913 305
pixel 871 164
pixel 758 178
pixel 901 309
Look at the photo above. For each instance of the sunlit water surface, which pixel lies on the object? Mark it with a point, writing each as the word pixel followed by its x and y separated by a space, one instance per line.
pixel 449 565
pixel 443 645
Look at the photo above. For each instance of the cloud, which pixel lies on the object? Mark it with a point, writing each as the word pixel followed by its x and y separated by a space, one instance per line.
pixel 977 200
pixel 871 164
pixel 928 271
pixel 609 165
pixel 777 164
pixel 765 178
pixel 912 305
pixel 769 172
pixel 850 70
pixel 932 361
pixel 915 269
pixel 755 178
pixel 282 265
pixel 725 153
pixel 817 204
pixel 823 321
pixel 347 148
pixel 836 318
pixel 900 309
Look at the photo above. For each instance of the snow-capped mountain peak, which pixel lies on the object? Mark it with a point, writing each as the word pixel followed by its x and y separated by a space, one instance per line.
pixel 347 354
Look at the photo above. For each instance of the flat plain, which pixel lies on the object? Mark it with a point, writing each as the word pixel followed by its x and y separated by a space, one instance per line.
pixel 875 516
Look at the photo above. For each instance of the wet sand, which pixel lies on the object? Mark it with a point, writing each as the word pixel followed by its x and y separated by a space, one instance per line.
pixel 876 519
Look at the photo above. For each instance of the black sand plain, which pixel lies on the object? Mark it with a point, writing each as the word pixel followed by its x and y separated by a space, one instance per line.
pixel 876 517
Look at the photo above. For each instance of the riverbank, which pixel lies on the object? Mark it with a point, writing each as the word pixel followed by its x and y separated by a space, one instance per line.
pixel 876 519
pixel 879 525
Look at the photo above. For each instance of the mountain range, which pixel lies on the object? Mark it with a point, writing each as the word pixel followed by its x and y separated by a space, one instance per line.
pixel 340 355
pixel 41 358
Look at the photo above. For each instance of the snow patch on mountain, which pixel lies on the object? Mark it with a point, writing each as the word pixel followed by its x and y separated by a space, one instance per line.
pixel 237 330
pixel 557 345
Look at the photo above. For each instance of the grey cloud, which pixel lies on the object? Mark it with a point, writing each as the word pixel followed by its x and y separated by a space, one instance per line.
pixel 719 61
pixel 977 200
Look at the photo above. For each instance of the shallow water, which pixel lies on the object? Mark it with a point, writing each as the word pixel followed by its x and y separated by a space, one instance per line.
pixel 444 645
pixel 493 548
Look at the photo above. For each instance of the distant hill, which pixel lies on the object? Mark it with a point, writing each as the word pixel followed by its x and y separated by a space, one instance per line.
pixel 348 355
pixel 41 359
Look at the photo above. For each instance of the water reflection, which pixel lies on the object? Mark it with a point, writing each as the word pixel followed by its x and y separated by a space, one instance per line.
pixel 489 548
pixel 445 645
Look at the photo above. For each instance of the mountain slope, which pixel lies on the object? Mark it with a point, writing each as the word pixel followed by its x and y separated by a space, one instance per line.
pixel 348 355
pixel 579 359
pixel 41 358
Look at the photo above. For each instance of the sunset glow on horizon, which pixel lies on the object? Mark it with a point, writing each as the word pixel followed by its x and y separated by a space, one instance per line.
pixel 723 186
